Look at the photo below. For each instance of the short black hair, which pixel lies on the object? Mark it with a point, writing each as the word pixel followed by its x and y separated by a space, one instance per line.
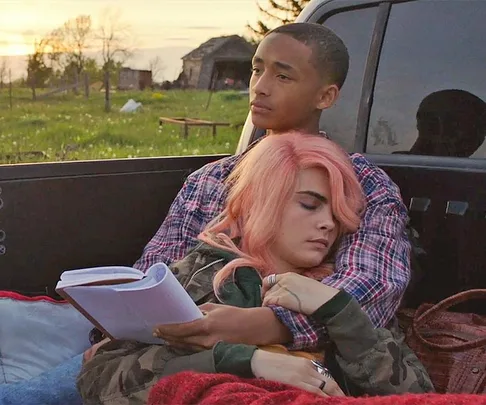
pixel 331 57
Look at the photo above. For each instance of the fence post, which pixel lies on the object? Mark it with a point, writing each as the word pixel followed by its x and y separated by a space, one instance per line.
pixel 107 90
pixel 10 88
pixel 86 85
pixel 33 84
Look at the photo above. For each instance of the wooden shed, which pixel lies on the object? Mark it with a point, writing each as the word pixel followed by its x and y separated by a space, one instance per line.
pixel 133 79
pixel 218 63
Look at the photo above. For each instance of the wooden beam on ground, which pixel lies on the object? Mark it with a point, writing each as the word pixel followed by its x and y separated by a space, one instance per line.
pixel 192 122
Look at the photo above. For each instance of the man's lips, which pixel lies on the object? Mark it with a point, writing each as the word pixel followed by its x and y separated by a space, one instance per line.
pixel 259 107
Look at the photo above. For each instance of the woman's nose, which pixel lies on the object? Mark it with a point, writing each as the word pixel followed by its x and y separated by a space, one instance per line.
pixel 327 220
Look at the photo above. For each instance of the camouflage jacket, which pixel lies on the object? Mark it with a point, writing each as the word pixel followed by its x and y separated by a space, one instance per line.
pixel 377 361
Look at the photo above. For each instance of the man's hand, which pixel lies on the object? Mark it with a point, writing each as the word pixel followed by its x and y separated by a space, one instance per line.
pixel 253 326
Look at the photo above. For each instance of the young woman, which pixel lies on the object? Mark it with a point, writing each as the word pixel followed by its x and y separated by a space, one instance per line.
pixel 291 197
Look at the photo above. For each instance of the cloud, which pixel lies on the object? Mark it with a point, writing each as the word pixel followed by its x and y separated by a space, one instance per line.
pixel 203 28
pixel 29 33
pixel 10 37
pixel 4 42
pixel 3 31
pixel 178 39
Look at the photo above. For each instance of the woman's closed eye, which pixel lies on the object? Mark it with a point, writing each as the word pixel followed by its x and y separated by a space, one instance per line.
pixel 308 206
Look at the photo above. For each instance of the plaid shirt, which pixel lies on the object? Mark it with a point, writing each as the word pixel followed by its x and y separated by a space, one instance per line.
pixel 373 264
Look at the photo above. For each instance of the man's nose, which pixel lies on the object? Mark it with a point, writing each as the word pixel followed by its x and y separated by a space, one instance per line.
pixel 261 85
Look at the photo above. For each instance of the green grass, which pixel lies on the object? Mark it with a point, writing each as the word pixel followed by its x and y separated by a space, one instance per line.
pixel 69 127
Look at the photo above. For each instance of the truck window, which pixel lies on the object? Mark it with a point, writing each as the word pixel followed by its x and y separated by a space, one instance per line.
pixel 430 89
pixel 355 27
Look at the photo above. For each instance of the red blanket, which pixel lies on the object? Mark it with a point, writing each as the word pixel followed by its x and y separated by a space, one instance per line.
pixel 221 389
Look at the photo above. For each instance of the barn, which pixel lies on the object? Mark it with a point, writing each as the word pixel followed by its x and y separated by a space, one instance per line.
pixel 221 62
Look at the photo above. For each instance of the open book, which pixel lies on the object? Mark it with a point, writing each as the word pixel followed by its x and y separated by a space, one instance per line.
pixel 125 303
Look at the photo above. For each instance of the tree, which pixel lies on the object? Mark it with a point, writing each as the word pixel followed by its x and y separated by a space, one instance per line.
pixel 68 46
pixel 157 67
pixel 114 68
pixel 55 50
pixel 37 71
pixel 93 70
pixel 4 66
pixel 277 12
pixel 114 37
pixel 77 37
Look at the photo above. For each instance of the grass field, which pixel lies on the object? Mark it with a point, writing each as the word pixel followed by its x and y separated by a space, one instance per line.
pixel 69 127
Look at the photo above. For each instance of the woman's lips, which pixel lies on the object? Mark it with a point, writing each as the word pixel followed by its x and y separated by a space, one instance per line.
pixel 320 242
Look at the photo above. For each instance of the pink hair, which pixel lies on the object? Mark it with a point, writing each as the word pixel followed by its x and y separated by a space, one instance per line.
pixel 259 188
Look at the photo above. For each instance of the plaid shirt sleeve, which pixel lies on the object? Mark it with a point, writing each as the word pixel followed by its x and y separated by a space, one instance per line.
pixel 373 264
pixel 198 202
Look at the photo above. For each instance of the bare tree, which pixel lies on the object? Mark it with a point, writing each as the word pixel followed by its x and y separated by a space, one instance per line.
pixel 68 44
pixel 77 37
pixel 54 51
pixel 157 67
pixel 114 38
pixel 4 67
pixel 277 12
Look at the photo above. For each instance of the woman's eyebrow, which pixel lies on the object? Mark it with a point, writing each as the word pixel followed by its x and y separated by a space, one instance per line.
pixel 320 197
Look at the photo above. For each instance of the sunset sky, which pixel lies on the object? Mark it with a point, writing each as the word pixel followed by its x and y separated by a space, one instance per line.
pixel 154 23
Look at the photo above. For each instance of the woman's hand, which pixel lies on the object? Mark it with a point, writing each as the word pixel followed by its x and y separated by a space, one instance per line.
pixel 295 371
pixel 295 292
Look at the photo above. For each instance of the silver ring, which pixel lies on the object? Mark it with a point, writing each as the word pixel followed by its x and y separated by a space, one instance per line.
pixel 272 280
pixel 321 369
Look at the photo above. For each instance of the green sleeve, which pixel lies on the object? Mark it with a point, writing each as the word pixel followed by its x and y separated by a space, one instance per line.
pixel 375 359
pixel 331 308
pixel 233 359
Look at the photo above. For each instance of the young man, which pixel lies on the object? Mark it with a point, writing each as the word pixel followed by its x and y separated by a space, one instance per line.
pixel 298 70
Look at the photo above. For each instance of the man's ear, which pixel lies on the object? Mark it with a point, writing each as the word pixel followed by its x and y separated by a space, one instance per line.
pixel 327 96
